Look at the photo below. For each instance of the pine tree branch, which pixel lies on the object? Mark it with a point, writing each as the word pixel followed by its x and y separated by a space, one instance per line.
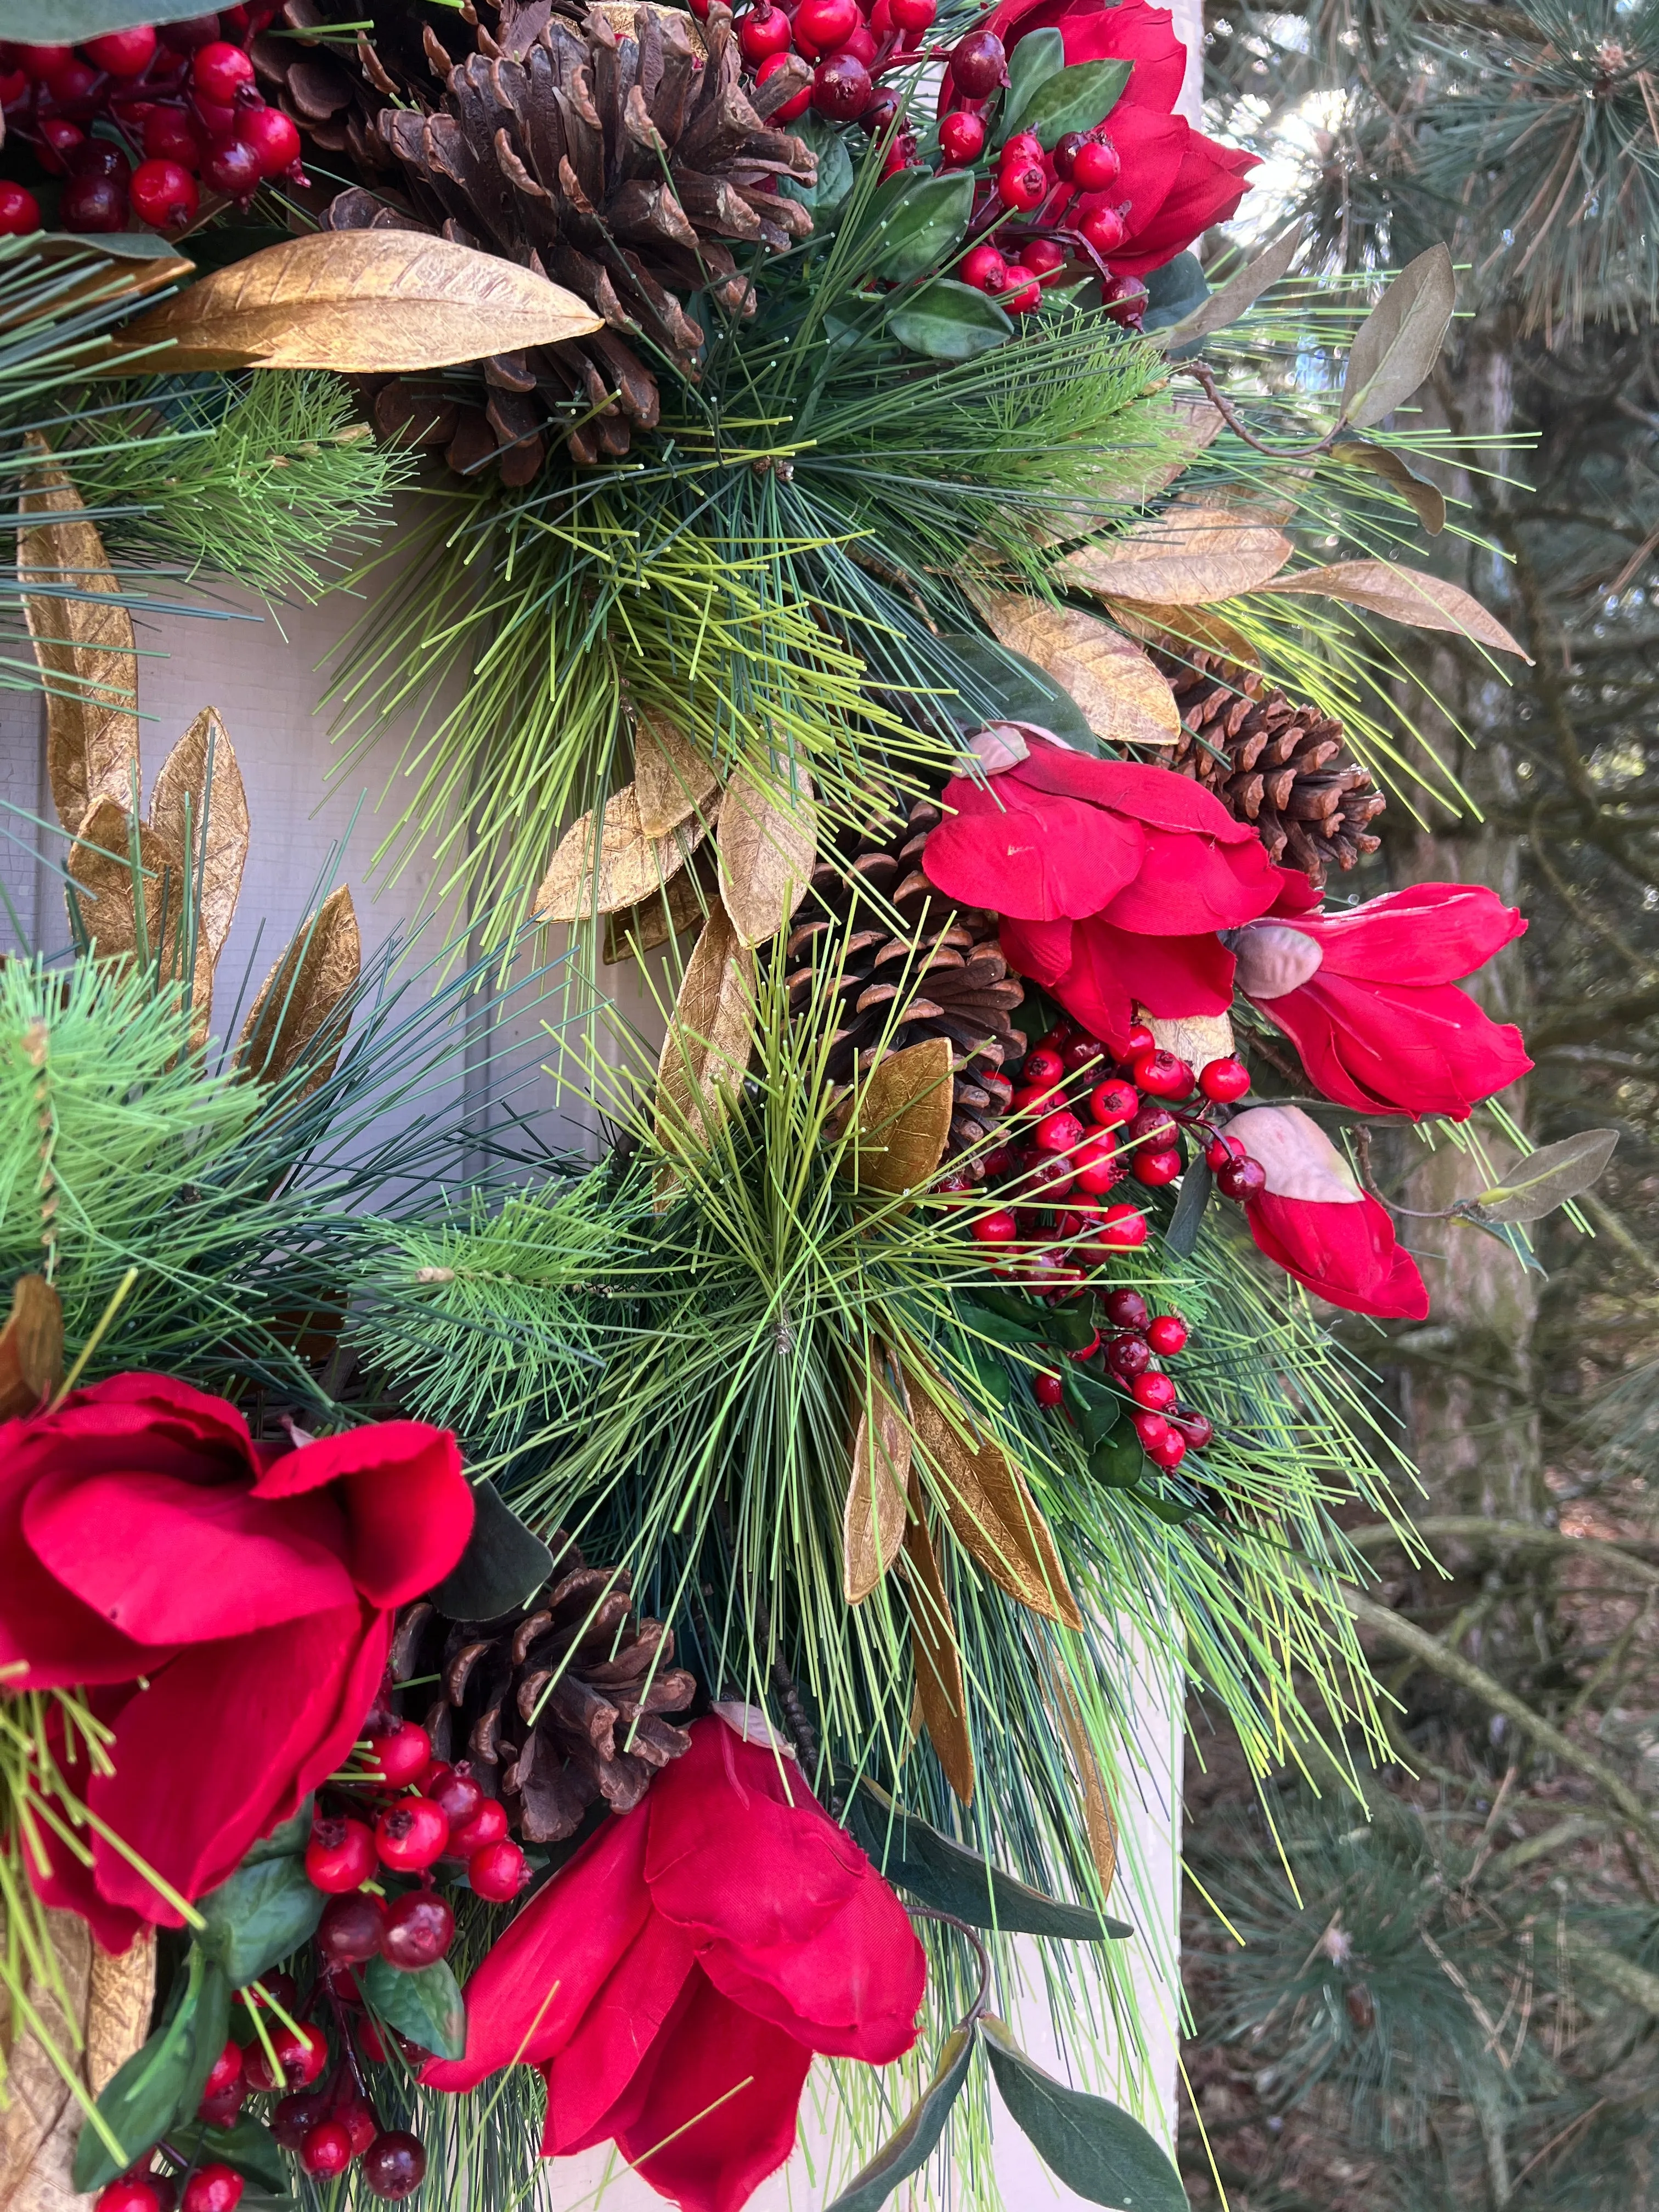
pixel 1474 1528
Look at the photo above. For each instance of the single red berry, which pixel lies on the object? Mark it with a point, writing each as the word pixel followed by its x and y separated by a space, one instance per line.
pixel 915 17
pixel 1025 294
pixel 1047 1178
pixel 1155 1169
pixel 170 136
pixel 301 2055
pixel 1105 229
pixel 1002 1160
pixel 280 1990
pixel 797 103
pixel 979 63
pixel 1123 1227
pixel 901 153
pixel 1043 1066
pixel 1096 1164
pixel 14 87
pixel 78 90
pixel 184 37
pixel 341 1853
pixel 411 1834
pixel 1223 1149
pixel 213 2188
pixel 1127 1308
pixel 1223 1080
pixel 1024 146
pixel 1140 1039
pixel 218 122
pixel 1114 1102
pixel 1241 1179
pixel 96 157
pixel 1095 166
pixel 984 268
pixel 1162 1075
pixel 220 2112
pixel 1166 1334
pixel 20 215
pixel 93 204
pixel 359 2120
pixel 997 1228
pixel 1064 154
pixel 294 2118
pixel 1125 299
pixel 880 113
pixel 1128 1356
pixel 272 136
pixel 1166 1451
pixel 1152 1428
pixel 498 1872
pixel 765 30
pixel 133 2192
pixel 327 2148
pixel 1078 1052
pixel 123 53
pixel 861 44
pixel 59 139
pixel 419 1927
pixel 1022 185
pixel 454 1791
pixel 233 168
pixel 218 72
pixel 1196 1428
pixel 1042 256
pixel 44 62
pixel 403 1756
pixel 350 1928
pixel 1058 1132
pixel 487 1825
pixel 1048 1389
pixel 822 26
pixel 1156 1392
pixel 394 2165
pixel 1150 1125
pixel 961 139
pixel 225 2072
pixel 841 88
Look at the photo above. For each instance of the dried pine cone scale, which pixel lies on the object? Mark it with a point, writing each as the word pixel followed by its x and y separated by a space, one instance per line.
pixel 563 1706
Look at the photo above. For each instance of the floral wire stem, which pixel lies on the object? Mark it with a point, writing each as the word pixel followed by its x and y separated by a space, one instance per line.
pixel 982 1998
pixel 1235 422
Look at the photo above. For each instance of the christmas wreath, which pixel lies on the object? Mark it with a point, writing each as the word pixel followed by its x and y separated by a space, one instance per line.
pixel 499 1661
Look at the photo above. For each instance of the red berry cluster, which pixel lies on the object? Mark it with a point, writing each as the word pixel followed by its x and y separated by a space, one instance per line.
pixel 850 45
pixel 148 2189
pixel 137 121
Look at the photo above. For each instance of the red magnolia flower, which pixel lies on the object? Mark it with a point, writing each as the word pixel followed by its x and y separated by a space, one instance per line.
pixel 1112 879
pixel 1174 181
pixel 1314 1222
pixel 230 1605
pixel 674 1980
pixel 1369 997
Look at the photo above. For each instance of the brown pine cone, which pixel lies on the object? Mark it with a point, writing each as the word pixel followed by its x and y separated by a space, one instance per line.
pixel 558 1707
pixel 1280 766
pixel 941 966
pixel 618 160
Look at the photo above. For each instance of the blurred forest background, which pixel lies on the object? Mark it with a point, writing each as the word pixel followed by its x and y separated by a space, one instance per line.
pixel 1457 2002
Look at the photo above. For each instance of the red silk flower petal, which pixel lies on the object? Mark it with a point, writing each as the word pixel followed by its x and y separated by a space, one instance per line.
pixel 1427 933
pixel 529 1994
pixel 1026 853
pixel 594 2072
pixel 1346 1255
pixel 212 1427
pixel 1040 950
pixel 852 1991
pixel 1186 886
pixel 407 1505
pixel 1207 188
pixel 1299 894
pixel 1399 1051
pixel 1153 147
pixel 1095 989
pixel 1168 976
pixel 1133 32
pixel 1159 798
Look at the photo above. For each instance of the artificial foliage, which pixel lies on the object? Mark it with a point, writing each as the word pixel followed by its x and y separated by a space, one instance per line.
pixel 679 1616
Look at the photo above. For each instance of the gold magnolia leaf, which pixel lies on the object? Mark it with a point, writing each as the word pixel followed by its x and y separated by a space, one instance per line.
pixel 934 1652
pixel 767 842
pixel 84 646
pixel 1405 595
pixel 1098 1823
pixel 1196 1038
pixel 874 1519
pixel 706 1052
pixel 100 867
pixel 629 866
pixel 299 1001
pixel 1184 557
pixel 181 803
pixel 671 779
pixel 360 302
pixel 683 902
pixel 1191 630
pixel 902 1113
pixel 1122 695
pixel 31 1347
pixel 992 1513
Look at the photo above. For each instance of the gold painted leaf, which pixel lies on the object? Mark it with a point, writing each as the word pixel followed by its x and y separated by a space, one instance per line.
pixel 902 1113
pixel 31 1347
pixel 1122 698
pixel 671 779
pixel 629 866
pixel 1405 595
pixel 992 1513
pixel 299 1001
pixel 360 302
pixel 767 842
pixel 1183 557
pixel 940 1691
pixel 705 1053
pixel 99 868
pixel 1192 629
pixel 683 902
pixel 1196 1038
pixel 1097 1820
pixel 181 803
pixel 873 1518
pixel 84 646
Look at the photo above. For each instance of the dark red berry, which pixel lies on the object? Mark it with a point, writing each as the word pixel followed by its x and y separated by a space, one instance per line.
pixel 357 2117
pixel 1158 1167
pixel 402 1756
pixel 59 139
pixel 44 62
pixel 1128 1309
pixel 341 1853
pixel 20 216
pixel 301 2055
pixel 170 136
pixel 411 1834
pixel 272 137
pixel 133 2192
pixel 1125 299
pixel 419 1929
pixel 961 140
pixel 1042 255
pixel 394 2165
pixel 123 53
pixel 213 2188
pixel 1241 1179
pixel 841 88
pixel 487 1825
pixel 294 2118
pixel 220 2112
pixel 350 1928
pixel 1065 151
pixel 979 63
pixel 454 1790
pixel 1166 1334
pixel 1223 1080
pixel 1048 1389
pixel 233 168
pixel 78 90
pixel 219 71
pixel 184 37
pixel 1195 1427
pixel 498 1872
pixel 93 204
pixel 1114 1102
pixel 997 1228
pixel 327 2148
pixel 1128 1356
pixel 279 1990
pixel 96 157
pixel 1156 1392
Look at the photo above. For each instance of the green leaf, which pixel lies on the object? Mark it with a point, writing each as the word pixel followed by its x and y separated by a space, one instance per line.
pixel 504 1562
pixel 286 1842
pixel 949 321
pixel 1072 1332
pixel 1018 692
pixel 1119 1461
pixel 1036 57
pixel 76 20
pixel 163 2080
pixel 1095 1410
pixel 1427 499
pixel 917 1857
pixel 119 245
pixel 426 2006
pixel 910 2147
pixel 1076 100
pixel 1241 290
pixel 1544 1179
pixel 1196 1184
pixel 1395 347
pixel 1513 1239
pixel 1176 289
pixel 249 2148
pixel 993 1377
pixel 1024 1313
pixel 834 178
pixel 1093 2146
pixel 918 227
pixel 261 1914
